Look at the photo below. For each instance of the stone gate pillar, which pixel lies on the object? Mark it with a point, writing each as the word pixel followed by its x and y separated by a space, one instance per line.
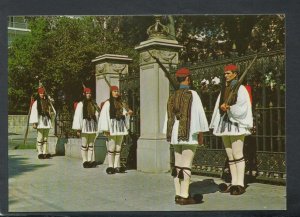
pixel 110 66
pixel 153 154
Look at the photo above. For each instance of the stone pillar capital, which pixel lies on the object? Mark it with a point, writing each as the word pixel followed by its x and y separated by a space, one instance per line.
pixel 164 49
pixel 111 64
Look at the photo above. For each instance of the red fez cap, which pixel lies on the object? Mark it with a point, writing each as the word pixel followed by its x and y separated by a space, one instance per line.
pixel 113 88
pixel 41 90
pixel 230 67
pixel 183 72
pixel 87 90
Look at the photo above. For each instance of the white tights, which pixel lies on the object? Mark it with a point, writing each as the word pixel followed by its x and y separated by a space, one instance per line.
pixel 87 146
pixel 234 148
pixel 184 155
pixel 114 150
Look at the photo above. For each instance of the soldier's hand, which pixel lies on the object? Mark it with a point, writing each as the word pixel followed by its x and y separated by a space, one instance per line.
pixel 34 126
pixel 78 133
pixel 50 98
pixel 200 138
pixel 224 107
pixel 130 112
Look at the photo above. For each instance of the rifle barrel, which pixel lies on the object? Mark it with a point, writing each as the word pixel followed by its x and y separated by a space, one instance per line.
pixel 167 74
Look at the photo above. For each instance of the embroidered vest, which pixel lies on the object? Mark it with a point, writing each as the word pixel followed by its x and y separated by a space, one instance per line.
pixel 179 107
pixel 43 107
pixel 89 110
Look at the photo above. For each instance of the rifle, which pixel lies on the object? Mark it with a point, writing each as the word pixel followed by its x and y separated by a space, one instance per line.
pixel 28 116
pixel 52 105
pixel 107 82
pixel 233 92
pixel 173 83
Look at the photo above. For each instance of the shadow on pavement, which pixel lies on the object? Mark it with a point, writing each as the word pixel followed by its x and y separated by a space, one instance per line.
pixel 18 165
pixel 206 186
pixel 11 201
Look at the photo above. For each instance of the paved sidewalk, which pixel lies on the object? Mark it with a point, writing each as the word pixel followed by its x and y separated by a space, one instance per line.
pixel 61 184
pixel 14 140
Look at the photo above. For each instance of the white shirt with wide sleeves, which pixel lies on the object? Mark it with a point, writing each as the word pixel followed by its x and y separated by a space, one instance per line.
pixel 79 123
pixel 35 118
pixel 239 113
pixel 113 126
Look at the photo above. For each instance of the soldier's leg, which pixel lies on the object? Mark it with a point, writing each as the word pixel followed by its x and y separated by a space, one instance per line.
pixel 188 153
pixel 176 169
pixel 237 149
pixel 84 149
pixel 45 144
pixel 39 143
pixel 232 165
pixel 91 146
pixel 111 147
pixel 119 140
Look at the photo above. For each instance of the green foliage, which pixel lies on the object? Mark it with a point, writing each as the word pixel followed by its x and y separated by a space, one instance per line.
pixel 59 50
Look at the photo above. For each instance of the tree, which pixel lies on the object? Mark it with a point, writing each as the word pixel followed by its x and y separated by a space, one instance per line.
pixel 59 49
pixel 58 52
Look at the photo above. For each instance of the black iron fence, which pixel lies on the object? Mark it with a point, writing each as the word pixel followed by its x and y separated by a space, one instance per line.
pixel 63 122
pixel 265 148
pixel 130 91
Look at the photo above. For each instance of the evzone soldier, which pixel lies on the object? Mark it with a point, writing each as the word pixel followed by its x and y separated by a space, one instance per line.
pixel 85 122
pixel 40 118
pixel 113 123
pixel 185 121
pixel 233 122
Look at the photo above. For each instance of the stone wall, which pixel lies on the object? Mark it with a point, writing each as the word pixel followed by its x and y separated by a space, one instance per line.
pixel 17 125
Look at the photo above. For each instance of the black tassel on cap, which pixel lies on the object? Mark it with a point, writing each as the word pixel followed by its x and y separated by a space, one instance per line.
pixel 180 174
pixel 174 171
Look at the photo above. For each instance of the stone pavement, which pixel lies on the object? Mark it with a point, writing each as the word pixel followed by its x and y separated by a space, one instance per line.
pixel 61 184
pixel 14 139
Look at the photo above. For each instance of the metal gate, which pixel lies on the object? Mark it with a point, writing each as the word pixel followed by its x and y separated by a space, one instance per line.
pixel 265 148
pixel 130 93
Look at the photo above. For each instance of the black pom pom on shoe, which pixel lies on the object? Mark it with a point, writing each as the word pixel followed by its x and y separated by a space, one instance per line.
pixel 110 170
pixel 177 198
pixel 47 156
pixel 86 164
pixel 238 190
pixel 120 170
pixel 223 187
pixel 93 164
